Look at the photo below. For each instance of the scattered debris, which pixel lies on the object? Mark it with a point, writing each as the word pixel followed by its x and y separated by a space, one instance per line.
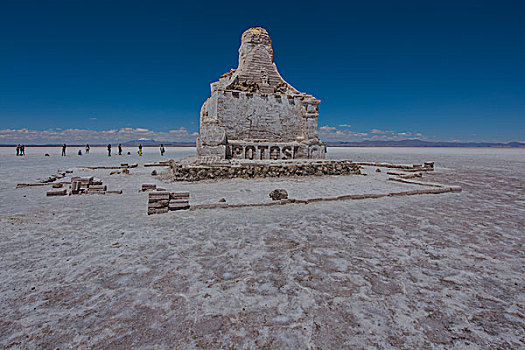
pixel 57 185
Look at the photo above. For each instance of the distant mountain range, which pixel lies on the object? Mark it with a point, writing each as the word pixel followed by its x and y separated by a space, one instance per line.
pixel 146 143
pixel 421 143
pixel 366 143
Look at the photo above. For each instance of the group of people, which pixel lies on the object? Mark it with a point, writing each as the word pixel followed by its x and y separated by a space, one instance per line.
pixel 20 150
pixel 119 150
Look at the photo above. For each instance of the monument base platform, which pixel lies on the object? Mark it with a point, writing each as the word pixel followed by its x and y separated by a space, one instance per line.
pixel 206 168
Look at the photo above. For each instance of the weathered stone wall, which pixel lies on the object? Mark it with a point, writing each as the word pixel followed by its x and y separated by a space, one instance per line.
pixel 253 104
pixel 259 117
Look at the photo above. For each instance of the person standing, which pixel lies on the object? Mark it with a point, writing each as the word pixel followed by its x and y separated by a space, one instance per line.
pixel 140 149
pixel 18 149
pixel 109 150
pixel 22 150
pixel 64 150
pixel 162 150
pixel 119 149
pixel 87 148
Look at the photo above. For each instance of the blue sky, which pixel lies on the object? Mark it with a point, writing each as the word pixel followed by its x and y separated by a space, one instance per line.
pixel 102 71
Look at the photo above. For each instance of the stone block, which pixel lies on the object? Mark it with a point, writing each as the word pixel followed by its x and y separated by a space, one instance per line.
pixel 179 206
pixel 179 195
pixel 158 204
pixel 148 187
pixel 115 191
pixel 51 193
pixel 156 196
pixel 157 210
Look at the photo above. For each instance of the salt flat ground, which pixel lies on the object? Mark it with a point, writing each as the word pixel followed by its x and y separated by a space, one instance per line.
pixel 428 271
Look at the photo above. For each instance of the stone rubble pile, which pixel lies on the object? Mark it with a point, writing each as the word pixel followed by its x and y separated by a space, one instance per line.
pixel 83 185
pixel 160 202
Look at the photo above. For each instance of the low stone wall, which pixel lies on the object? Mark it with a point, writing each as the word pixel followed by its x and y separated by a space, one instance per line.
pixel 443 189
pixel 427 166
pixel 254 170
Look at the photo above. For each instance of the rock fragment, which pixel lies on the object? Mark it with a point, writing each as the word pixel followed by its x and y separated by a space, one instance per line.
pixel 278 194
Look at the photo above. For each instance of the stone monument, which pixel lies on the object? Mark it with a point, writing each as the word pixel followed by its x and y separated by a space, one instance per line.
pixel 253 114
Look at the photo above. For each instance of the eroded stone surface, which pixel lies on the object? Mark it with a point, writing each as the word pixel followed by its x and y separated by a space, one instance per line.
pixel 252 109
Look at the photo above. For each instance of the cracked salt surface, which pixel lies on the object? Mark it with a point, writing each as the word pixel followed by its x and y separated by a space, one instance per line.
pixel 428 271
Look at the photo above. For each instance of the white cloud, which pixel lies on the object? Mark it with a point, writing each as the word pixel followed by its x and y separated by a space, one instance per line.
pixel 27 136
pixel 342 133
pixel 381 132
pixel 80 136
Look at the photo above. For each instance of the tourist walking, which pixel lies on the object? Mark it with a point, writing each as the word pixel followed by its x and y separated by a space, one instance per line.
pixel 63 150
pixel 162 150
pixel 119 149
pixel 87 149
pixel 109 150
pixel 140 150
